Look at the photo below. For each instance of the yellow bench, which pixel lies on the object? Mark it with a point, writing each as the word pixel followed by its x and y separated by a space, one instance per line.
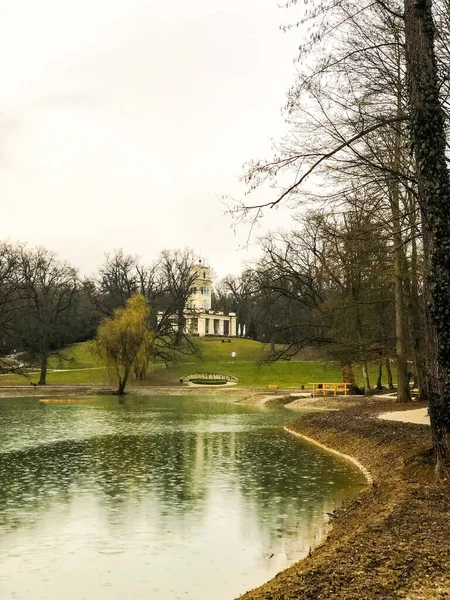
pixel 273 386
pixel 322 389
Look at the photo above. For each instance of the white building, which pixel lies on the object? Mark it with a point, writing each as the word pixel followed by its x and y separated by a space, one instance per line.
pixel 200 319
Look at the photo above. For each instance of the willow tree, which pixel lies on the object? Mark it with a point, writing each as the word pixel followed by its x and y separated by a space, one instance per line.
pixel 121 338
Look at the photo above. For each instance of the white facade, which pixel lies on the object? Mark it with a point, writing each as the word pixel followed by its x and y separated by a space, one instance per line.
pixel 211 323
pixel 200 299
pixel 200 319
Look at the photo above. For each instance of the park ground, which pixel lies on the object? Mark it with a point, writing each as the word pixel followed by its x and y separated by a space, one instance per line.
pixel 392 541
pixel 213 356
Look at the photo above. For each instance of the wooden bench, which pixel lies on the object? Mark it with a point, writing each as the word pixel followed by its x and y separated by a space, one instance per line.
pixel 273 386
pixel 322 389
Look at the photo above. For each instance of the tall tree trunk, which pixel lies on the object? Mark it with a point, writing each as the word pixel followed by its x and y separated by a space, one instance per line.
pixel 123 381
pixel 403 391
pixel 181 327
pixel 416 320
pixel 380 375
pixel 389 373
pixel 415 327
pixel 272 343
pixel 43 374
pixel 348 376
pixel 429 145
pixel 367 388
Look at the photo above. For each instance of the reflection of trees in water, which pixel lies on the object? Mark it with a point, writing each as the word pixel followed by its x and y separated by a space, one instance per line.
pixel 116 468
pixel 31 478
pixel 288 487
pixel 282 487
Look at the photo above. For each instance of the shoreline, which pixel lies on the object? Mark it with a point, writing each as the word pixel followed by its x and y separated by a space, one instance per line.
pixel 361 467
pixel 240 393
pixel 247 396
pixel 391 541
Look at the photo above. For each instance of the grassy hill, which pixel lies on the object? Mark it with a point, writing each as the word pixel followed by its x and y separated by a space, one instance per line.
pixel 248 365
pixel 213 356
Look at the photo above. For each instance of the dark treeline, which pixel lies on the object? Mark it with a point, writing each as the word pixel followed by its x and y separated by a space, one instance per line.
pixel 330 284
pixel 45 305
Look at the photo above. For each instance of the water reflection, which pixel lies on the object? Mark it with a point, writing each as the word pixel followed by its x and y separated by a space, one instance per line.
pixel 167 497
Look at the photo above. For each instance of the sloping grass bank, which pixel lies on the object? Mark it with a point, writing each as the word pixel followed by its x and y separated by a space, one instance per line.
pixel 393 540
pixel 83 368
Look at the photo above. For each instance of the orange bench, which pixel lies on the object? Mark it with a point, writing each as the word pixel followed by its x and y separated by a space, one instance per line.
pixel 322 389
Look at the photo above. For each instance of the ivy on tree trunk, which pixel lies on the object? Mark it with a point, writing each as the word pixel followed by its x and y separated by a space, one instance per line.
pixel 427 123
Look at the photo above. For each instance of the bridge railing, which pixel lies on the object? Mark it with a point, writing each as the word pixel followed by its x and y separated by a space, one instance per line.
pixel 211 376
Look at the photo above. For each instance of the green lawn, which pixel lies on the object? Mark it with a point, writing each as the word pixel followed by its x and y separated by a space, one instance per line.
pixel 213 357
pixel 79 357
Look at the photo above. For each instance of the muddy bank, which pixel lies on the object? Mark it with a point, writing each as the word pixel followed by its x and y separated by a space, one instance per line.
pixel 52 390
pixel 235 394
pixel 393 540
pixel 299 401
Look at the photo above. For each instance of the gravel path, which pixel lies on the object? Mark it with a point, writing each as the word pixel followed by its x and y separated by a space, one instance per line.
pixel 418 416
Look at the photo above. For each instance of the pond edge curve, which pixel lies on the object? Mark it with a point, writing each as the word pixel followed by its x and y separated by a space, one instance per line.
pixel 353 460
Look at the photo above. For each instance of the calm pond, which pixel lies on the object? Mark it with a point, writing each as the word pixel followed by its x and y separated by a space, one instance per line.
pixel 161 497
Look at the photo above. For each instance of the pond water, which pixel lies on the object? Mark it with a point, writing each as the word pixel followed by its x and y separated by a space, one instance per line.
pixel 161 497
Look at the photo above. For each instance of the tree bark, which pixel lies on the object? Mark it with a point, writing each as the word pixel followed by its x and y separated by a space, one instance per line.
pixel 272 343
pixel 416 320
pixel 415 323
pixel 181 327
pixel 380 375
pixel 403 390
pixel 43 373
pixel 429 145
pixel 367 388
pixel 389 374
pixel 123 382
pixel 348 376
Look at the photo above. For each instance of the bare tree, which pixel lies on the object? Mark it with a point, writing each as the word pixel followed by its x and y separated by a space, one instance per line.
pixel 425 116
pixel 179 270
pixel 10 296
pixel 119 278
pixel 48 288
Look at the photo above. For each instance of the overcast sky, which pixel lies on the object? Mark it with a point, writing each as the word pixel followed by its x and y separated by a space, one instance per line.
pixel 124 121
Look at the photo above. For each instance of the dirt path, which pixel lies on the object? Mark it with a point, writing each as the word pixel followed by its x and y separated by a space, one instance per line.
pixel 418 416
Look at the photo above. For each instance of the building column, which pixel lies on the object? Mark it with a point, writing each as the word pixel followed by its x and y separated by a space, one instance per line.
pixel 201 325
pixel 233 326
